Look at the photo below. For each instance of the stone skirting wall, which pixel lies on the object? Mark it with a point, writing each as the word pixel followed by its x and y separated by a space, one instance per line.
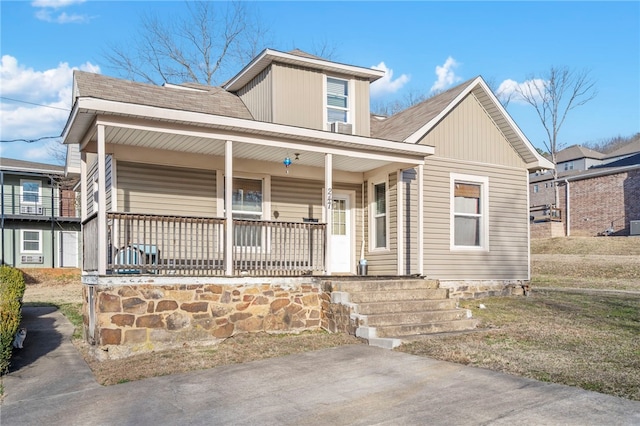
pixel 145 315
pixel 468 289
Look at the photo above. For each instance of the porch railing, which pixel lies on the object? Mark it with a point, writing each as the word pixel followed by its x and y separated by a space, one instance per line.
pixel 182 245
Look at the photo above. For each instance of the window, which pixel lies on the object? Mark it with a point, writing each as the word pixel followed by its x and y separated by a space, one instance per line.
pixel 568 165
pixel 469 212
pixel 535 188
pixel 31 241
pixel 31 192
pixel 247 205
pixel 379 218
pixel 337 100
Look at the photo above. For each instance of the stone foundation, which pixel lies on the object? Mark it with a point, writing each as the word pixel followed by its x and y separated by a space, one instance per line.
pixel 147 314
pixel 472 289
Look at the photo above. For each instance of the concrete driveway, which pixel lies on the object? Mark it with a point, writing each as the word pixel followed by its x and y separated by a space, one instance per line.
pixel 350 385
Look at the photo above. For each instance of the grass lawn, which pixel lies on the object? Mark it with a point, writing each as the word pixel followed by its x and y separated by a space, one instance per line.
pixel 561 333
pixel 586 340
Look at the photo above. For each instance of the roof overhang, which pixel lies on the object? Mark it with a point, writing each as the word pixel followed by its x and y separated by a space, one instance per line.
pixel 268 56
pixel 141 125
pixel 533 160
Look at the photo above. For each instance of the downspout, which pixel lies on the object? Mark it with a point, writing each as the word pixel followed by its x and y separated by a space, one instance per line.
pixel 568 198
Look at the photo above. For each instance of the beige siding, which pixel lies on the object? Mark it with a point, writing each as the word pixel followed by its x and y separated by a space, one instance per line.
pixel 301 199
pixel 297 96
pixel 108 181
pixel 295 200
pixel 92 173
pixel 468 133
pixel 362 111
pixel 257 96
pixel 507 257
pixel 144 188
pixel 385 262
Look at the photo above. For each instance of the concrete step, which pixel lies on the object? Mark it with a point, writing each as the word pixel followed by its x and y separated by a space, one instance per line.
pixel 398 295
pixel 372 308
pixel 363 285
pixel 398 331
pixel 413 318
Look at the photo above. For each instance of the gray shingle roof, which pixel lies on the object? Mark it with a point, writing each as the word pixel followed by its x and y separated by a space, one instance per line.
pixel 400 126
pixel 206 99
pixel 630 148
pixel 30 166
pixel 575 152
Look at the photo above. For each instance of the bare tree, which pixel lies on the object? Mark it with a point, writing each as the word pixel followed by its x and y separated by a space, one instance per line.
pixel 410 98
pixel 198 47
pixel 553 95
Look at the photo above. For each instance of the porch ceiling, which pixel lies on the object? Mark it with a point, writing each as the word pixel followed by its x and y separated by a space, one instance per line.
pixel 175 131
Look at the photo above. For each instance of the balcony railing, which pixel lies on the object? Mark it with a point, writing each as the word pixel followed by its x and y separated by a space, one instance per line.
pixel 182 245
pixel 39 206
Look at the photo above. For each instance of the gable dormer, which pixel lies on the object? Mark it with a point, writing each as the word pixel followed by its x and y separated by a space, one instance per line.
pixel 303 90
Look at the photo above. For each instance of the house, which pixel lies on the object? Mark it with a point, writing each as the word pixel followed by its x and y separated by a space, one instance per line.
pixel 40 222
pixel 319 190
pixel 597 193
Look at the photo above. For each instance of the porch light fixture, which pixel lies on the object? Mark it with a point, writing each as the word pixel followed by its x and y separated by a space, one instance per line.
pixel 287 163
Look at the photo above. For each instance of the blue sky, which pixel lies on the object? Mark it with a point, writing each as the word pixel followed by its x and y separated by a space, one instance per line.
pixel 424 46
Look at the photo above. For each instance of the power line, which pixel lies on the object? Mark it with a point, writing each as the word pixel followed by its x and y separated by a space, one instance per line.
pixel 31 103
pixel 30 140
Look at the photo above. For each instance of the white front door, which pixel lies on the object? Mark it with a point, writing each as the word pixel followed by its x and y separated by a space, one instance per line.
pixel 341 250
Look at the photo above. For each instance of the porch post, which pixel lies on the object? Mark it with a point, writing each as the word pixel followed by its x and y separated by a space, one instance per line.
pixel 102 203
pixel 228 212
pixel 328 205
pixel 421 219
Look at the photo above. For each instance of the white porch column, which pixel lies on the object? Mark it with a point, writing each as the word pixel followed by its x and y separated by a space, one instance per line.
pixel 421 219
pixel 102 203
pixel 328 205
pixel 228 213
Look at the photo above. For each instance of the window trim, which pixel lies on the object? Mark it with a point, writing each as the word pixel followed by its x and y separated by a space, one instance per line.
pixel 350 101
pixel 483 181
pixel 265 246
pixel 372 215
pixel 22 192
pixel 22 241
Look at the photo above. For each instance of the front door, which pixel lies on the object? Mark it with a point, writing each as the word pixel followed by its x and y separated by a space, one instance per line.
pixel 341 250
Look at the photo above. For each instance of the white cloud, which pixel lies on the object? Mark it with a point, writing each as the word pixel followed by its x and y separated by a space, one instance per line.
pixel 44 102
pixel 387 85
pixel 48 11
pixel 446 75
pixel 55 4
pixel 511 89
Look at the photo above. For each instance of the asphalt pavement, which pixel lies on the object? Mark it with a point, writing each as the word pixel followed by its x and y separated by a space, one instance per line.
pixel 50 384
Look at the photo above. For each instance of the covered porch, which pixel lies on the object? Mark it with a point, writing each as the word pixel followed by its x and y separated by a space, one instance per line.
pixel 123 238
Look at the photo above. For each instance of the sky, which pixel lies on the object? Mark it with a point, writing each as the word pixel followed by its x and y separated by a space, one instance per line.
pixel 424 47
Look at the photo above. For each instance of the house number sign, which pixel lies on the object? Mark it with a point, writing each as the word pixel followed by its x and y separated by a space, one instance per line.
pixel 329 199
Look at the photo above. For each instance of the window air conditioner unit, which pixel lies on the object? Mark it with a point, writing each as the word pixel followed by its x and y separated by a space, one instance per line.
pixel 635 227
pixel 31 209
pixel 339 127
pixel 31 259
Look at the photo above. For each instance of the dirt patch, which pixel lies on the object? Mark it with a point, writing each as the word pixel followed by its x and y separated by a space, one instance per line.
pixel 56 286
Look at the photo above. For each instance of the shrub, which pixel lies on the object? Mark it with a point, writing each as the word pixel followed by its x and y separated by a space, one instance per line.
pixel 12 288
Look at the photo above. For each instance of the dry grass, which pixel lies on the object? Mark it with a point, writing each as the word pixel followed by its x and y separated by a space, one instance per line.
pixel 586 339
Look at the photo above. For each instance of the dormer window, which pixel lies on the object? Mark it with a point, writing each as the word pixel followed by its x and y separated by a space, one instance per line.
pixel 337 100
